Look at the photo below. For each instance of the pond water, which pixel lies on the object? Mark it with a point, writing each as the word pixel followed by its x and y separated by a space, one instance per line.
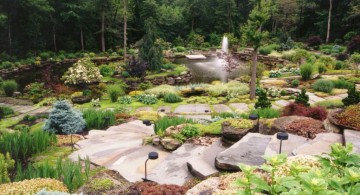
pixel 211 69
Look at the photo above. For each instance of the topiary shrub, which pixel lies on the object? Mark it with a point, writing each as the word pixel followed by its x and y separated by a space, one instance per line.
pixel 172 98
pixel 114 91
pixel 323 85
pixel 306 71
pixel 353 96
pixel 9 87
pixel 64 119
pixel 314 42
pixel 263 101
pixel 295 83
pixel 354 44
pixel 302 98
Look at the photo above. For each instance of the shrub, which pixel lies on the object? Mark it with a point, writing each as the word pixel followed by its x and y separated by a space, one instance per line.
pixel 342 56
pixel 124 100
pixel 32 186
pixel 339 65
pixel 306 71
pixel 330 104
pixel 306 127
pixel 6 65
pixel 36 91
pixel 321 68
pixel 6 110
pixel 350 116
pixel 168 66
pixel 44 55
pixel 161 90
pixel 236 87
pixel 147 99
pixel 341 84
pixel 135 93
pixel 145 85
pixel 267 112
pixel 353 96
pixel 266 50
pixel 136 68
pixel 99 184
pixel 172 98
pixel 9 87
pixel 263 101
pixel 314 41
pixel 6 165
pixel 190 131
pixel 165 122
pixel 64 119
pixel 323 85
pixel 295 83
pixel 302 98
pixel 241 123
pixel 98 119
pixel 22 145
pixel 114 91
pixel 354 44
pixel 217 90
pixel 106 70
pixel 317 113
pixel 83 71
pixel 21 128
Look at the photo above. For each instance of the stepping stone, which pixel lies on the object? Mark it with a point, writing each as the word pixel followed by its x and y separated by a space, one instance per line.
pixel 147 108
pixel 281 103
pixel 206 187
pixel 333 98
pixel 195 57
pixel 321 144
pixel 193 108
pixel 351 136
pixel 173 169
pixel 274 106
pixel 288 146
pixel 219 108
pixel 202 164
pixel 315 98
pixel 199 118
pixel 249 150
pixel 342 96
pixel 132 165
pixel 240 107
pixel 27 109
pixel 166 108
pixel 40 110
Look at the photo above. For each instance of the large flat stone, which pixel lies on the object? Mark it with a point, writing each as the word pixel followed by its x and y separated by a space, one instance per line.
pixel 351 136
pixel 314 98
pixel 166 108
pixel 193 108
pixel 146 108
pixel 132 165
pixel 195 57
pixel 202 164
pixel 288 146
pixel 219 108
pixel 282 103
pixel 173 169
pixel 240 107
pixel 206 187
pixel 249 150
pixel 321 144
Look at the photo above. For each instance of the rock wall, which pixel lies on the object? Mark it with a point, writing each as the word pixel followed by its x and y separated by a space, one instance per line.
pixel 267 60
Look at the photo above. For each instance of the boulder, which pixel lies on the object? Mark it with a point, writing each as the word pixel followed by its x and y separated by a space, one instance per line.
pixel 170 144
pixel 208 186
pixel 280 124
pixel 174 129
pixel 232 134
pixel 81 99
pixel 321 144
pixel 249 150
pixel 351 136
pixel 288 146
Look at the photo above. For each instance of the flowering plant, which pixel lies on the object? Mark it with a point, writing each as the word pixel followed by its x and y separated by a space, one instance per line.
pixel 83 71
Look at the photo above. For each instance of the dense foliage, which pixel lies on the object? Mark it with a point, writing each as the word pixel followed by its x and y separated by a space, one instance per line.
pixel 83 71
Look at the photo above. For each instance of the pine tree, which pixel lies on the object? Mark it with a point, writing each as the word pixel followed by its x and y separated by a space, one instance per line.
pixel 302 98
pixel 149 51
pixel 263 101
pixel 353 96
pixel 64 119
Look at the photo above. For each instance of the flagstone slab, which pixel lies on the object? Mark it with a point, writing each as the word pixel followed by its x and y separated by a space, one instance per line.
pixel 321 144
pixel 240 107
pixel 351 136
pixel 43 109
pixel 146 108
pixel 288 146
pixel 282 103
pixel 173 169
pixel 193 108
pixel 219 108
pixel 249 150
pixel 315 98
pixel 167 109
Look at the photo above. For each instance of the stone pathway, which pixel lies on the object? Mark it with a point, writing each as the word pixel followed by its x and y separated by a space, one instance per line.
pixel 219 108
pixel 351 136
pixel 240 107
pixel 147 108
pixel 288 146
pixel 193 108
pixel 321 144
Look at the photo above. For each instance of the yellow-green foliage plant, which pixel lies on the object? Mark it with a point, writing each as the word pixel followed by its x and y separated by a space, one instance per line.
pixel 32 186
pixel 6 165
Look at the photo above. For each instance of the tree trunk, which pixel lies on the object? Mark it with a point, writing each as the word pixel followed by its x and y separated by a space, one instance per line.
pixel 10 40
pixel 329 21
pixel 253 74
pixel 103 31
pixel 125 27
pixel 54 38
pixel 82 39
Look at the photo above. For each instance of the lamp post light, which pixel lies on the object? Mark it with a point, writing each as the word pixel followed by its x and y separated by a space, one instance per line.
pixel 151 156
pixel 282 136
pixel 255 117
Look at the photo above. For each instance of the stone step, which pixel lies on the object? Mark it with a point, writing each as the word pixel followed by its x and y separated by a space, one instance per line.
pixel 219 108
pixel 202 165
pixel 240 107
pixel 27 109
pixel 288 146
pixel 321 144
pixel 281 103
pixel 173 169
pixel 40 110
pixel 131 165
pixel 133 126
pixel 193 108
pixel 249 150
pixel 351 136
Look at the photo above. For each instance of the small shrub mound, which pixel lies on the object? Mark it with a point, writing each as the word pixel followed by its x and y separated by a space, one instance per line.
pixel 323 85
pixel 152 188
pixel 190 131
pixel 341 84
pixel 161 90
pixel 353 96
pixel 125 100
pixel 5 111
pixel 263 101
pixel 306 71
pixel 306 127
pixel 295 83
pixel 302 98
pixel 314 41
pixel 317 113
pixel 114 91
pixel 101 184
pixel 241 123
pixel 172 98
pixel 147 98
pixel 32 186
pixel 9 87
pixel 350 117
